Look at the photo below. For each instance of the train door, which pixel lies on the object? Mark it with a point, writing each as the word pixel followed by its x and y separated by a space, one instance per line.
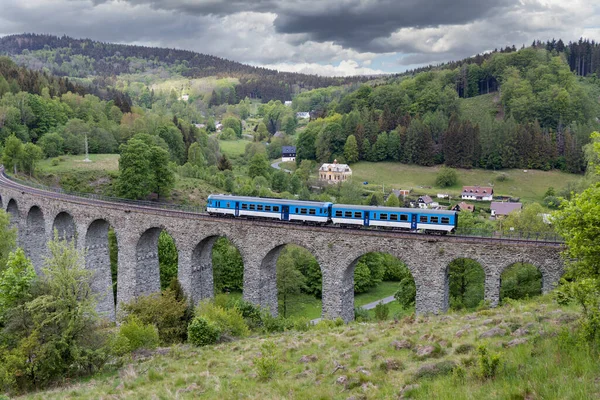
pixel 413 222
pixel 366 221
pixel 237 208
pixel 285 213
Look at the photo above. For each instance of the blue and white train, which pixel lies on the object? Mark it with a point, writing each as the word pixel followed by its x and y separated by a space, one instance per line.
pixel 409 219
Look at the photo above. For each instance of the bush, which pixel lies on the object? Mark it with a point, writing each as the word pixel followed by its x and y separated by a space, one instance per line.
pixel 133 335
pixel 276 324
pixel 502 177
pixel 55 162
pixel 230 321
pixel 446 177
pixel 202 332
pixel 361 315
pixel 301 324
pixel 163 310
pixel 382 312
pixel 488 363
pixel 266 364
pixel 464 348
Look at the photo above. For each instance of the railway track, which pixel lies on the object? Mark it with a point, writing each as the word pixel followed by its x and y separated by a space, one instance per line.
pixel 189 213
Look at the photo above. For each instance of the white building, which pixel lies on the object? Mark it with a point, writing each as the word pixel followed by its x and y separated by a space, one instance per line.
pixel 478 193
pixel 288 153
pixel 334 173
pixel 303 115
pixel 288 103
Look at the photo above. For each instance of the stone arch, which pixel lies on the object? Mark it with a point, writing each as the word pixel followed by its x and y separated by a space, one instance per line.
pixel 267 297
pixel 97 259
pixel 347 283
pixel 468 281
pixel 13 210
pixel 147 269
pixel 35 237
pixel 525 263
pixel 64 225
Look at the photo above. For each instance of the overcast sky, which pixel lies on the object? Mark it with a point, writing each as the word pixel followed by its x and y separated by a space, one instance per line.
pixel 328 37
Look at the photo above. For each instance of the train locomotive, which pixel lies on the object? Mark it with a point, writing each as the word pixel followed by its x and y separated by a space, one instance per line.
pixel 327 213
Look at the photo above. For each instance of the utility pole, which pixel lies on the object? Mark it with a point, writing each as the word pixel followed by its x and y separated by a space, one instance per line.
pixel 87 154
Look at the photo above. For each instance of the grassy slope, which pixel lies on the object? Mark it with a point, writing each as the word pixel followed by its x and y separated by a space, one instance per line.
pixel 233 147
pixel 529 186
pixel 546 367
pixel 475 108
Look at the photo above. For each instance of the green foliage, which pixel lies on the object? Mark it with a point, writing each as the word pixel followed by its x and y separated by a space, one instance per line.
pixel 229 321
pixel 529 219
pixel 520 281
pixel 202 332
pixel 362 278
pixel 361 315
pixel 290 280
pixel 235 125
pixel 351 150
pixel 267 364
pixel 12 153
pixel 167 259
pixel 15 281
pixel 392 201
pixel 134 335
pixel 488 363
pixel 164 311
pixel 228 266
pixel 8 238
pixel 259 166
pixel 466 283
pixel 382 311
pixel 446 177
pixel 407 292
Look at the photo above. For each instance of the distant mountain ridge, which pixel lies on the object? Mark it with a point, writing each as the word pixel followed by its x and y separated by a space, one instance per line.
pixel 96 58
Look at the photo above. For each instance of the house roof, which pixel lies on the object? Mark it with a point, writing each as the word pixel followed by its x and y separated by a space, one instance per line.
pixel 426 199
pixel 335 167
pixel 288 149
pixel 477 190
pixel 503 208
pixel 465 206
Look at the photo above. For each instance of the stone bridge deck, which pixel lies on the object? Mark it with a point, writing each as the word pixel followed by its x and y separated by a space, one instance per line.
pixel 37 213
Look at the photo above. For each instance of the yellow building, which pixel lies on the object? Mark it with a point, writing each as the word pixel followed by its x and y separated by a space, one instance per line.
pixel 334 173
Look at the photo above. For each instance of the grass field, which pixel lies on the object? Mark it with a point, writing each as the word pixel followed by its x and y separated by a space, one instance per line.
pixel 100 162
pixel 476 108
pixel 529 186
pixel 233 147
pixel 366 361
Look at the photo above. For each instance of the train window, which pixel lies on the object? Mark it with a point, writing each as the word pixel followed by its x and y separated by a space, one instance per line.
pixel 403 217
pixel 338 213
pixel 252 207
pixel 348 214
pixel 276 208
pixel 383 217
pixel 393 217
pixel 423 218
pixel 244 206
pixel 267 208
pixel 303 211
pixel 445 220
pixel 259 207
pixel 228 205
pixel 434 220
pixel 312 211
pixel 357 214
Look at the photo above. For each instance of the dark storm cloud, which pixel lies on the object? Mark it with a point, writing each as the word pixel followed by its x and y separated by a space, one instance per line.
pixel 351 23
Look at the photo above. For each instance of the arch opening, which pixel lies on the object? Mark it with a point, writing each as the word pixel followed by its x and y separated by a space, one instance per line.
pixel 35 233
pixel 100 244
pixel 379 277
pixel 13 210
pixel 466 283
pixel 156 261
pixel 64 225
pixel 217 267
pixel 519 281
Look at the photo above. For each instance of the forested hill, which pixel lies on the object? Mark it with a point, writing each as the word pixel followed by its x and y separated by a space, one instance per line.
pixel 65 56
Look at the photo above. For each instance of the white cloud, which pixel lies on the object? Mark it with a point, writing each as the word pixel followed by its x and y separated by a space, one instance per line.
pixel 344 68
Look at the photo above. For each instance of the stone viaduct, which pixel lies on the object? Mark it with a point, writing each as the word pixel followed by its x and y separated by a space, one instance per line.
pixel 37 213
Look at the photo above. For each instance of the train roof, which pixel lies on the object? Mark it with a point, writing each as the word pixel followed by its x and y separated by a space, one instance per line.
pixel 393 209
pixel 228 197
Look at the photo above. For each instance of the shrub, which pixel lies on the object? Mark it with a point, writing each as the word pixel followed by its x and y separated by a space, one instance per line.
pixel 502 177
pixel 229 321
pixel 382 312
pixel 446 177
pixel 434 370
pixel 133 335
pixel 276 324
pixel 202 332
pixel 55 162
pixel 464 348
pixel 301 324
pixel 488 363
pixel 163 310
pixel 361 315
pixel 266 364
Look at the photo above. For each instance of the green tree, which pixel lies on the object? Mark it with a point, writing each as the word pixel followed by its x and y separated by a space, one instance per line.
pixel 259 166
pixel 135 172
pixel 280 181
pixel 8 238
pixel 167 259
pixel 392 201
pixel 13 149
pixel 224 164
pixel 446 177
pixel 466 283
pixel 290 280
pixel 520 281
pixel 195 155
pixel 362 278
pixel 529 219
pixel 51 144
pixel 235 124
pixel 228 266
pixel 351 150
pixel 15 281
pixel 30 155
pixel 261 132
pixel 162 177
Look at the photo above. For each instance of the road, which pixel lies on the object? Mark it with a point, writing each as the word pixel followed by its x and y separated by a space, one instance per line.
pixel 276 166
pixel 368 306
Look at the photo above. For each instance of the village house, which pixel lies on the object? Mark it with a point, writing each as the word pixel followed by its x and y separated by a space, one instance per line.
pixel 335 172
pixel 502 209
pixel 288 153
pixel 462 206
pixel 287 103
pixel 426 202
pixel 477 193
pixel 400 194
pixel 303 115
